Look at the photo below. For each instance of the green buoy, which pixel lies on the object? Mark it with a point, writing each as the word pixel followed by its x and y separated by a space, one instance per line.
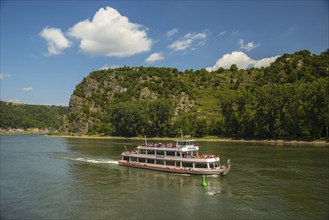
pixel 204 182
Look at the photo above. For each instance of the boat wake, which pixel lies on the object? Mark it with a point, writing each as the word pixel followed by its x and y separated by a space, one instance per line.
pixel 182 174
pixel 214 175
pixel 92 160
pixel 213 193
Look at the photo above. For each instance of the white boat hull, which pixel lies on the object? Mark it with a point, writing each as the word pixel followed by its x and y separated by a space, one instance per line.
pixel 223 170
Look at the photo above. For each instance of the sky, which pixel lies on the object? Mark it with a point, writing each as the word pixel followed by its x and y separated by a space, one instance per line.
pixel 48 47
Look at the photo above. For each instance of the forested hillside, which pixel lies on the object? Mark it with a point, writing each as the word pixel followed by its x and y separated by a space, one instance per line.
pixel 30 116
pixel 289 99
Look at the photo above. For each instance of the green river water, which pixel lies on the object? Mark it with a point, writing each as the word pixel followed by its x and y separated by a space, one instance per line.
pixel 65 178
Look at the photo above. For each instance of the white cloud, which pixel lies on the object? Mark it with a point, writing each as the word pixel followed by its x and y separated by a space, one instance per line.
pixel 187 41
pixel 171 32
pixel 111 34
pixel 56 40
pixel 27 89
pixel 265 62
pixel 290 31
pixel 4 75
pixel 181 44
pixel 14 100
pixel 199 36
pixel 154 57
pixel 241 60
pixel 249 46
pixel 222 33
pixel 236 57
pixel 201 43
pixel 105 67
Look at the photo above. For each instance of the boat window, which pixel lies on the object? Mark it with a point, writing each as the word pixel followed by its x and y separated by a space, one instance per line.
pixel 170 153
pixel 150 152
pixel 187 165
pixel 160 162
pixel 142 160
pixel 160 152
pixel 125 158
pixel 214 164
pixel 170 163
pixel 150 161
pixel 133 159
pixel 201 165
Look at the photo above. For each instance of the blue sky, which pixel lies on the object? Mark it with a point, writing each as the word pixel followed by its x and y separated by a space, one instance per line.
pixel 47 47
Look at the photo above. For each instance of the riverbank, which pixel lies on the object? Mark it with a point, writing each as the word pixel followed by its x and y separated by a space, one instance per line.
pixel 23 133
pixel 206 139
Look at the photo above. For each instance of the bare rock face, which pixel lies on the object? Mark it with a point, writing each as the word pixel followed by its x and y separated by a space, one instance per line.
pixel 93 98
pixel 75 121
pixel 148 94
pixel 78 120
pixel 184 104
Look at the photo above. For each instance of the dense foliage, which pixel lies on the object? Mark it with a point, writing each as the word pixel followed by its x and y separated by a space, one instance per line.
pixel 298 110
pixel 30 116
pixel 288 99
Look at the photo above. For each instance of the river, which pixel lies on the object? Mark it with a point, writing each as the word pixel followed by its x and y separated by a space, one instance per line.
pixel 67 178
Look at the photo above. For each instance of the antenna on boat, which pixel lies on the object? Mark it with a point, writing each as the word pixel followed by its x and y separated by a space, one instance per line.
pixel 145 140
pixel 181 133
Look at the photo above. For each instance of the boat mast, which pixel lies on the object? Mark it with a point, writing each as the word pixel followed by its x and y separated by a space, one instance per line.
pixel 181 133
pixel 145 141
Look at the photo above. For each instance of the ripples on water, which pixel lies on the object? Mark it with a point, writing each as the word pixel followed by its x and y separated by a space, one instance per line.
pixel 57 178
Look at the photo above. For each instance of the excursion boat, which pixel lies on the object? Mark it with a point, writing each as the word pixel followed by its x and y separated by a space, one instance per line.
pixel 182 157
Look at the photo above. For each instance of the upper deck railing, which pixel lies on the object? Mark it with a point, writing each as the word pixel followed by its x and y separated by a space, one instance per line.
pixel 185 143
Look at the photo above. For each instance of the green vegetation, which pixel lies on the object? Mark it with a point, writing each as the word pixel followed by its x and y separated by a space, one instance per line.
pixel 30 116
pixel 288 99
pixel 292 110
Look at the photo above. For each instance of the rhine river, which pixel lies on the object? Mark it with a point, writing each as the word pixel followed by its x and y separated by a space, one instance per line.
pixel 66 178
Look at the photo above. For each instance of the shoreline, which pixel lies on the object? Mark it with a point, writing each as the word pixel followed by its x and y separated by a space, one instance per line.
pixel 269 141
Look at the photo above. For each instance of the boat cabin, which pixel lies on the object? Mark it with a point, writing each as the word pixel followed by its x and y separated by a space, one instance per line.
pixel 185 143
pixel 182 148
pixel 181 157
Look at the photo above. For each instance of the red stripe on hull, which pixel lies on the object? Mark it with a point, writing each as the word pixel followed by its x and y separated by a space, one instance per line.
pixel 173 169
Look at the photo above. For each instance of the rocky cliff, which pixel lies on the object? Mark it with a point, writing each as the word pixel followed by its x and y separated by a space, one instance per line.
pixel 132 101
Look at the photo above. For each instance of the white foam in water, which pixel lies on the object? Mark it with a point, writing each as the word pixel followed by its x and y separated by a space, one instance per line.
pixel 213 193
pixel 89 160
pixel 214 175
pixel 182 174
pixel 97 160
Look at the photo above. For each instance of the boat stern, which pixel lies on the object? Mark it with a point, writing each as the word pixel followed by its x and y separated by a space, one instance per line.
pixel 225 169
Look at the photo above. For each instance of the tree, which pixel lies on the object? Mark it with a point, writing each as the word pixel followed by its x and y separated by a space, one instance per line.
pixel 102 128
pixel 127 119
pixel 200 128
pixel 234 68
pixel 220 70
pixel 159 113
pixel 229 114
